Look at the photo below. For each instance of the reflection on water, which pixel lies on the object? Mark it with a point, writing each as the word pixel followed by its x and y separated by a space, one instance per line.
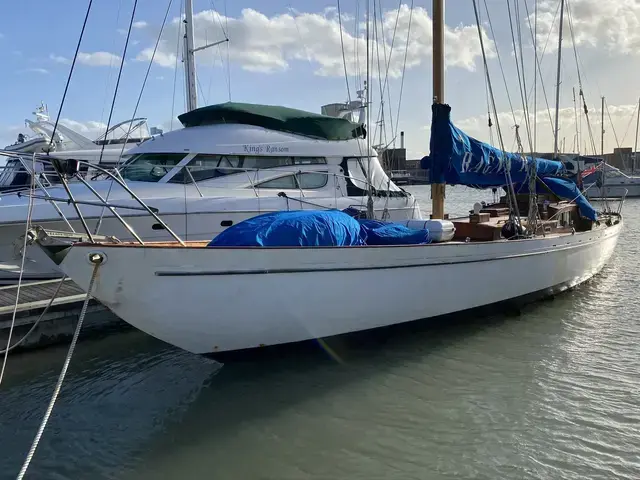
pixel 548 393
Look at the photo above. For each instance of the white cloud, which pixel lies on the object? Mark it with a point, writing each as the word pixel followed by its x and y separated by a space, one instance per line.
pixel 613 25
pixel 99 59
pixel 163 59
pixel 41 71
pixel 159 77
pixel 121 31
pixel 59 59
pixel 140 24
pixel 90 129
pixel 270 43
pixel 1 35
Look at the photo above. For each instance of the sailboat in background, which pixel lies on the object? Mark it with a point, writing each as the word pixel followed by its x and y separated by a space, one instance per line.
pixel 242 296
pixel 606 181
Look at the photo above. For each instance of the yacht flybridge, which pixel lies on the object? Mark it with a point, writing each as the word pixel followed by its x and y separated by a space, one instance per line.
pixel 230 162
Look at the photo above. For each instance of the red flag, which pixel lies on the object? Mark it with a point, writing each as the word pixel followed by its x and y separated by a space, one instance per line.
pixel 588 171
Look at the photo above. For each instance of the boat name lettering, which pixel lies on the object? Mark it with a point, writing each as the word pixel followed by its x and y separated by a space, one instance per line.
pixel 265 149
pixel 485 165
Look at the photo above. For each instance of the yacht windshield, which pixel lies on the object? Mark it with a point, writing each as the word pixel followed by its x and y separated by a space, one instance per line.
pixel 150 167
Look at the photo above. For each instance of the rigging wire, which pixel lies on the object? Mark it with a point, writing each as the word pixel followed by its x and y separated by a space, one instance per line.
pixel 584 101
pixel 73 64
pixel 535 71
pixel 175 68
pixel 404 66
pixel 388 60
pixel 226 21
pixel 135 111
pixel 22 261
pixel 504 78
pixel 512 194
pixel 344 59
pixel 106 84
pixel 115 93
pixel 538 60
pixel 520 73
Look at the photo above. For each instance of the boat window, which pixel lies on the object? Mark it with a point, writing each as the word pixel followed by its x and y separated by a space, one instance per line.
pixel 311 180
pixel 150 167
pixel 286 182
pixel 309 160
pixel 254 163
pixel 205 167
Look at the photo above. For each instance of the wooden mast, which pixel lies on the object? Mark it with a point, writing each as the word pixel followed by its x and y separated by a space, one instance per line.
pixel 438 189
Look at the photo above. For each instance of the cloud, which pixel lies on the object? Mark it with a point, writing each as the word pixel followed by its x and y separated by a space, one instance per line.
pixel 99 59
pixel 263 43
pixel 613 25
pixel 121 31
pixel 139 24
pixel 1 35
pixel 163 59
pixel 91 129
pixel 59 59
pixel 41 71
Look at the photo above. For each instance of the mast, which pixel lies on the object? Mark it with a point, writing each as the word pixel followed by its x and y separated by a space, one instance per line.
pixel 635 145
pixel 557 126
pixel 438 189
pixel 189 57
pixel 602 130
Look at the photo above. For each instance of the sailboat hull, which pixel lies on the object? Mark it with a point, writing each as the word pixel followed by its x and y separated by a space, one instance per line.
pixel 214 300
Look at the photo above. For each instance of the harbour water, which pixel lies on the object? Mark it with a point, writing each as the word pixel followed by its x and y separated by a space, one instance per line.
pixel 550 392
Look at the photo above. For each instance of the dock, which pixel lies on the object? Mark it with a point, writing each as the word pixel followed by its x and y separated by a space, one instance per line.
pixel 58 323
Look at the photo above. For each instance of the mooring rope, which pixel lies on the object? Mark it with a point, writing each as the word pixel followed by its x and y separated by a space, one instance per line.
pixel 24 255
pixel 56 391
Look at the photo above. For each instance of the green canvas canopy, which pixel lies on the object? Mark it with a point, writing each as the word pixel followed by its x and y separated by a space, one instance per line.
pixel 278 118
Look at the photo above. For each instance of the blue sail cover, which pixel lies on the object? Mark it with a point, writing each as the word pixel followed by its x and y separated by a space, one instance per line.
pixel 457 159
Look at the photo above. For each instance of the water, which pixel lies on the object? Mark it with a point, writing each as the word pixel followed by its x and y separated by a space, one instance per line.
pixel 550 393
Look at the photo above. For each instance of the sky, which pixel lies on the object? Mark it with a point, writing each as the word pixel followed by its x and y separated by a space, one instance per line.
pixel 294 53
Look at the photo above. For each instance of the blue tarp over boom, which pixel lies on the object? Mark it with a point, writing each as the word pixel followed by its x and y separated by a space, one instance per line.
pixel 457 159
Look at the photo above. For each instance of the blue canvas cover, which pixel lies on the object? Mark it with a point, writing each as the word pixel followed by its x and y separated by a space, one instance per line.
pixel 299 228
pixel 457 159
pixel 566 189
pixel 383 233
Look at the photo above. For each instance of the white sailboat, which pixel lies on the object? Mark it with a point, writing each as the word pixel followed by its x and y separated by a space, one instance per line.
pixel 215 299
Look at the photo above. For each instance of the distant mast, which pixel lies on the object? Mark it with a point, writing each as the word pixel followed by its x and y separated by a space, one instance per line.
pixel 189 57
pixel 557 129
pixel 438 189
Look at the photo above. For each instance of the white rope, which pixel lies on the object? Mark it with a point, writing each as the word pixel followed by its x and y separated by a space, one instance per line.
pixel 24 254
pixel 63 373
